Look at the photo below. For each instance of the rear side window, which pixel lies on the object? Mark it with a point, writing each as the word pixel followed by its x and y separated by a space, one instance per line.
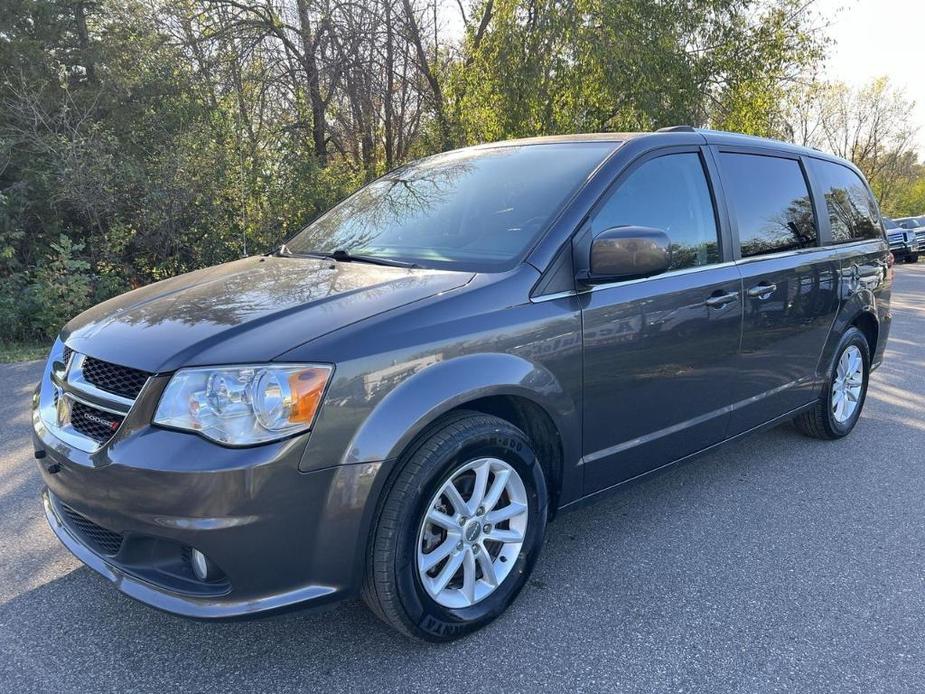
pixel 770 202
pixel 669 193
pixel 852 212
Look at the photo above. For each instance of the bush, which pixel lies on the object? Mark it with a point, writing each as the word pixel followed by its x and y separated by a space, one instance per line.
pixel 59 290
pixel 12 314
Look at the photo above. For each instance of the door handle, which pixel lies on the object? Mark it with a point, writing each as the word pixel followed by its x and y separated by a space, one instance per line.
pixel 718 300
pixel 762 291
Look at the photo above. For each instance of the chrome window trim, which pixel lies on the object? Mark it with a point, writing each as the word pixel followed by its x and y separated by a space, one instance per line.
pixel 856 242
pixel 552 297
pixel 623 283
pixel 712 266
pixel 670 273
pixel 783 254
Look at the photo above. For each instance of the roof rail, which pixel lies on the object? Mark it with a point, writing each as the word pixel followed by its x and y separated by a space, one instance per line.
pixel 677 129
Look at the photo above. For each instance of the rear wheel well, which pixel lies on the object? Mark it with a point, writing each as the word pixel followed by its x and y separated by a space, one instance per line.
pixel 539 427
pixel 867 324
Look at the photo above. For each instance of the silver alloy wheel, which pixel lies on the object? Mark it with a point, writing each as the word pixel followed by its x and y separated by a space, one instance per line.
pixel 849 380
pixel 472 533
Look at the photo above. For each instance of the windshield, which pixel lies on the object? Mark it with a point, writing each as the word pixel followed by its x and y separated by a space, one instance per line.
pixel 890 224
pixel 478 209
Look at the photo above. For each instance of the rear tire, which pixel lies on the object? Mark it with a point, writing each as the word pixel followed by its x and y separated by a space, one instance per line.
pixel 839 408
pixel 500 554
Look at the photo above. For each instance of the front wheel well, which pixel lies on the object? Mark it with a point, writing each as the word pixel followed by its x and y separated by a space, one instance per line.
pixel 539 427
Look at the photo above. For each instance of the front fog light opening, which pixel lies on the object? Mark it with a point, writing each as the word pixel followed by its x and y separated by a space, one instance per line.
pixel 203 568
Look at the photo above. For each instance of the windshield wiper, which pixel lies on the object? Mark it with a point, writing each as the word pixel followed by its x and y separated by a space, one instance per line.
pixel 342 256
pixel 346 257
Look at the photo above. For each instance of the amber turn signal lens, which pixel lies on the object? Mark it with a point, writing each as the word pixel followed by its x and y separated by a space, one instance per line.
pixel 307 389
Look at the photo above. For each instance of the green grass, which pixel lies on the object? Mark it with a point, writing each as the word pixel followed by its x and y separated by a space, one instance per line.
pixel 22 351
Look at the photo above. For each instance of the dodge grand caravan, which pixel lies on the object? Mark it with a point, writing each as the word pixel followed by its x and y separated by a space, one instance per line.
pixel 396 402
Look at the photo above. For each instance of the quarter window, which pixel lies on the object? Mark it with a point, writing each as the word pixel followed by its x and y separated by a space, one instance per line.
pixel 669 193
pixel 852 212
pixel 770 202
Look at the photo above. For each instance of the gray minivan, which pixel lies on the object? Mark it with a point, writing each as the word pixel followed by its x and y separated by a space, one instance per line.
pixel 397 401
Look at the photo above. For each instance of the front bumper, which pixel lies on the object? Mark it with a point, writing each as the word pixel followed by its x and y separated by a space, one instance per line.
pixel 279 536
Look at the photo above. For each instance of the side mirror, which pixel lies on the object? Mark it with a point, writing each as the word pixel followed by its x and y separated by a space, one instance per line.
pixel 628 252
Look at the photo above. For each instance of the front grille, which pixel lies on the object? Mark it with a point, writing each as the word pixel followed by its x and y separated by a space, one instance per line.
pixel 66 357
pixel 113 378
pixel 98 425
pixel 96 537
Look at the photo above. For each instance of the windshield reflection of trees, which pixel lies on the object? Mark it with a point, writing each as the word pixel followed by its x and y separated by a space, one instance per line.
pixel 391 209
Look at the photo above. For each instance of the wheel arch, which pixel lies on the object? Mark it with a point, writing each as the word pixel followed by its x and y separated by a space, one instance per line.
pixel 510 387
pixel 521 392
pixel 867 323
pixel 860 313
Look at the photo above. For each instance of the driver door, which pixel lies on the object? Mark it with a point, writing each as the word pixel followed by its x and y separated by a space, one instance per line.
pixel 657 376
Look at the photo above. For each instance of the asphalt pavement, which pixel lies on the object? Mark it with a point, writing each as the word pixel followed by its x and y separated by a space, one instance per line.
pixel 778 563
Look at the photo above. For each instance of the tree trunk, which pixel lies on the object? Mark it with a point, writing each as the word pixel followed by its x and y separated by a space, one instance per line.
pixel 316 103
pixel 83 37
pixel 428 73
pixel 389 86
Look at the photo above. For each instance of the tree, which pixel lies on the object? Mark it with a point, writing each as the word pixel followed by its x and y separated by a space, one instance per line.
pixel 531 68
pixel 158 136
pixel 869 126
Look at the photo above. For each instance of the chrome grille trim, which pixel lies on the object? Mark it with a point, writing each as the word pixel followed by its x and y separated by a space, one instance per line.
pixel 78 381
pixel 61 389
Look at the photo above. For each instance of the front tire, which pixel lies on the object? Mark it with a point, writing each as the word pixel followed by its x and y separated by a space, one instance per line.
pixel 459 531
pixel 839 408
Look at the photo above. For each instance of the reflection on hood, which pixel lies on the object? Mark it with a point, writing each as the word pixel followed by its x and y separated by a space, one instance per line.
pixel 247 310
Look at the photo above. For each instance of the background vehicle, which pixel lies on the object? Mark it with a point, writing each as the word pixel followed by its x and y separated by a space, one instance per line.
pixel 916 225
pixel 904 244
pixel 397 401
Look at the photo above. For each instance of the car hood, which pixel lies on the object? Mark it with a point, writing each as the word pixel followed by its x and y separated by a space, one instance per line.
pixel 246 311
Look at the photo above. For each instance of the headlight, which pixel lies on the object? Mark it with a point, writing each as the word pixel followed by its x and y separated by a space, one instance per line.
pixel 243 405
